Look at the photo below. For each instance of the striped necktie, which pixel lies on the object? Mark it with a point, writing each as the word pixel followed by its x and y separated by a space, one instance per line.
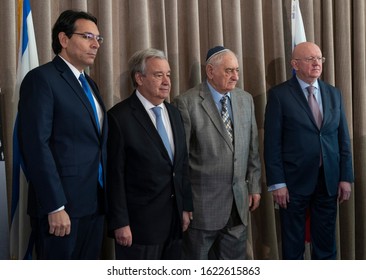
pixel 226 118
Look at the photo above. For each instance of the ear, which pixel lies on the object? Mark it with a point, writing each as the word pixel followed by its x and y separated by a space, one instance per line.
pixel 138 78
pixel 294 64
pixel 209 70
pixel 63 39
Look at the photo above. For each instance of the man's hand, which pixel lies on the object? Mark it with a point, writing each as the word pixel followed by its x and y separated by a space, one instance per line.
pixel 59 222
pixel 187 217
pixel 123 236
pixel 254 200
pixel 344 191
pixel 281 197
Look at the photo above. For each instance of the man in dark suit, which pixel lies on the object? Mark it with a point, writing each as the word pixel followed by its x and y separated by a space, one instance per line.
pixel 63 137
pixel 307 155
pixel 225 166
pixel 149 191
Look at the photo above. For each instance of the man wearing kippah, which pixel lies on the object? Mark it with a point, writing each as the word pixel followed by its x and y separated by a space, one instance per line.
pixel 225 167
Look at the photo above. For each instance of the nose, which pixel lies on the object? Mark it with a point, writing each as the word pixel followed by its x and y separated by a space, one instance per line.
pixel 235 75
pixel 166 79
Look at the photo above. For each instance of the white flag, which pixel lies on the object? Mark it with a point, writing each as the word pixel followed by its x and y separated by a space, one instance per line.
pixel 27 60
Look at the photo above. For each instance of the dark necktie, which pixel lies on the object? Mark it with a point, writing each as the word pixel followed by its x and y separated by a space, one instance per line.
pixel 314 106
pixel 161 130
pixel 226 118
pixel 89 94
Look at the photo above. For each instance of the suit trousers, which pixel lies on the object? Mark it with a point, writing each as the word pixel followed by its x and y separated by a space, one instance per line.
pixel 83 243
pixel 171 249
pixel 225 244
pixel 228 243
pixel 323 214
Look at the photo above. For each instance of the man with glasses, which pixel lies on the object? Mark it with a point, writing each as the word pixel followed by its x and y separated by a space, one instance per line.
pixel 63 135
pixel 225 168
pixel 307 154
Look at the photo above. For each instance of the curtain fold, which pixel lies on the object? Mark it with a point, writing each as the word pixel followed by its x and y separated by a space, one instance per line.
pixel 258 31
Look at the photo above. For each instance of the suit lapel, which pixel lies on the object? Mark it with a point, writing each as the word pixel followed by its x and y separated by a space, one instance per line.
pixel 325 95
pixel 173 122
pixel 298 95
pixel 210 108
pixel 144 120
pixel 240 113
pixel 70 78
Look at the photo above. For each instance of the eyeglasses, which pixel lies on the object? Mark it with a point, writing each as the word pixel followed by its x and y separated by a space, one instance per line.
pixel 312 59
pixel 90 36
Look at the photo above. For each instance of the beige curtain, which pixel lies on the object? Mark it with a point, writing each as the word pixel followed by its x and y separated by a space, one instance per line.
pixel 259 31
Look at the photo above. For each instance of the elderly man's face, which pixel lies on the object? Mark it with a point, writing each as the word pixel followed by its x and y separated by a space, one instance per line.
pixel 155 84
pixel 224 75
pixel 307 61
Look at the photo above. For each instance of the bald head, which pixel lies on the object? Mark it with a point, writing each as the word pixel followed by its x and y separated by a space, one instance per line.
pixel 307 61
pixel 304 48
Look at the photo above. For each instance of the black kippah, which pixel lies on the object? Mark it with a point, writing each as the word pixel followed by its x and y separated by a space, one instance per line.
pixel 214 51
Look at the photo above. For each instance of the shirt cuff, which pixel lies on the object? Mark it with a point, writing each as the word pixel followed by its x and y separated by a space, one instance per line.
pixel 276 187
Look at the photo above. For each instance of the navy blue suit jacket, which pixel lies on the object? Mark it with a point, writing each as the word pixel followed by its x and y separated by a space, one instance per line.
pixel 141 177
pixel 59 141
pixel 293 142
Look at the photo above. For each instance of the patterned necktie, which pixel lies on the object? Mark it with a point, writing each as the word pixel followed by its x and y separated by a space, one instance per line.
pixel 226 118
pixel 314 106
pixel 161 130
pixel 88 93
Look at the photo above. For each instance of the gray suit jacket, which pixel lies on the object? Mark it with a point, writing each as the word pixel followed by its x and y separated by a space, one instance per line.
pixel 219 170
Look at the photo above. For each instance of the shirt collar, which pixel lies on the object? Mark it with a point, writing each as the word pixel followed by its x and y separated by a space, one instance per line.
pixel 216 95
pixel 146 103
pixel 72 68
pixel 305 85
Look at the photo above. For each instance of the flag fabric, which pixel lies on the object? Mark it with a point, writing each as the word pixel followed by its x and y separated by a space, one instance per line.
pixel 20 238
pixel 298 30
pixel 4 233
pixel 298 36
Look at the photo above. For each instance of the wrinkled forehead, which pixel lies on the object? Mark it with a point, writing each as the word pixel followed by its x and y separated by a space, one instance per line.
pixel 228 60
pixel 307 50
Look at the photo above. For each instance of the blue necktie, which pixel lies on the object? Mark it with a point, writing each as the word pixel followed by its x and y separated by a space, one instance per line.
pixel 161 130
pixel 88 93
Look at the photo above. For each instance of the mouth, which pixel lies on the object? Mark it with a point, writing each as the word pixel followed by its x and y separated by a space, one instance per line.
pixel 165 89
pixel 92 55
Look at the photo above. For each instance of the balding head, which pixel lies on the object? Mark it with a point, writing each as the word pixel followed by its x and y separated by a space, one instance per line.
pixel 307 61
pixel 305 48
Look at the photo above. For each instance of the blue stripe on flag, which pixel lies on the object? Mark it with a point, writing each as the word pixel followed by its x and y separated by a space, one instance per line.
pixel 28 59
pixel 26 11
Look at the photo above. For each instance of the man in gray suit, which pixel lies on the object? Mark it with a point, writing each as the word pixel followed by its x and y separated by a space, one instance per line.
pixel 222 140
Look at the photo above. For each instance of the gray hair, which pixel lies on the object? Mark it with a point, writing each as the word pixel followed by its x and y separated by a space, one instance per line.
pixel 137 62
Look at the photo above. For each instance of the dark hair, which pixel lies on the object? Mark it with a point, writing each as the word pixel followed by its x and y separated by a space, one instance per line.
pixel 66 23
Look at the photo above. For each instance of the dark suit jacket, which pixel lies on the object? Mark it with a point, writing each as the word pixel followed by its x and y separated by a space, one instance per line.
pixel 59 141
pixel 293 142
pixel 141 176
